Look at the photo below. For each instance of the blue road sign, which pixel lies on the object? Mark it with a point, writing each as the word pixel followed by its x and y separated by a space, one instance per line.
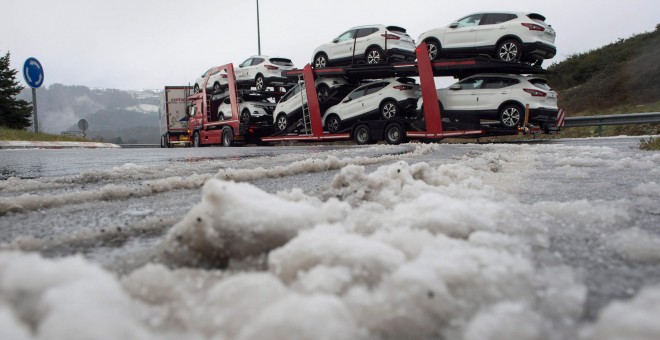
pixel 33 73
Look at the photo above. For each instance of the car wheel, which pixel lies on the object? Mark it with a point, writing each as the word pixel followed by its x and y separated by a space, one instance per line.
pixel 333 123
pixel 323 92
pixel 511 115
pixel 216 87
pixel 320 60
pixel 221 115
pixel 434 49
pixel 227 136
pixel 196 89
pixel 389 109
pixel 361 135
pixel 259 83
pixel 394 134
pixel 375 56
pixel 509 50
pixel 282 122
pixel 196 141
pixel 245 117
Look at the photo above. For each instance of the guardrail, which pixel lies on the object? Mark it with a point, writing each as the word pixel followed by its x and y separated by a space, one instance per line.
pixel 621 119
pixel 631 118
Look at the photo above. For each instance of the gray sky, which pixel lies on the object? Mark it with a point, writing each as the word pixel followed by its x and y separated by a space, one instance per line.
pixel 135 44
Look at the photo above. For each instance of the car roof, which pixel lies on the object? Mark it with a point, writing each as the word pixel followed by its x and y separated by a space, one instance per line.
pixel 530 15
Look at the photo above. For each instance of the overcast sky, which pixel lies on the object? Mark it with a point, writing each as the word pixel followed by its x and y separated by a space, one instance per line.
pixel 139 44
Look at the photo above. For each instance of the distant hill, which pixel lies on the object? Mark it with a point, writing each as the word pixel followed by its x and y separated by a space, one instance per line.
pixel 622 73
pixel 113 115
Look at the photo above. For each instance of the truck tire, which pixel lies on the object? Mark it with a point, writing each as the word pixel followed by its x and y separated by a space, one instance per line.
pixel 394 134
pixel 196 140
pixel 227 136
pixel 362 135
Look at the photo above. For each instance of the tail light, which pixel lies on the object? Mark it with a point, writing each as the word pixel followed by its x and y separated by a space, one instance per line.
pixel 533 27
pixel 535 93
pixel 403 87
pixel 390 36
pixel 271 67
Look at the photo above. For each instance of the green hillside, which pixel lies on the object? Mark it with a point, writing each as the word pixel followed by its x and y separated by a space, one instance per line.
pixel 623 73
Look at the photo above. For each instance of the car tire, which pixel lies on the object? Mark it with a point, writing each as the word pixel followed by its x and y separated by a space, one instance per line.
pixel 196 89
pixel 333 123
pixel 259 83
pixel 282 123
pixel 394 134
pixel 216 87
pixel 245 117
pixel 361 135
pixel 389 109
pixel 511 115
pixel 509 50
pixel 320 60
pixel 323 92
pixel 221 115
pixel 375 55
pixel 196 140
pixel 162 142
pixel 434 49
pixel 227 136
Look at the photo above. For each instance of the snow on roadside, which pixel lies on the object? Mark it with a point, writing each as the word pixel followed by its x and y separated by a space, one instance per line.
pixel 407 251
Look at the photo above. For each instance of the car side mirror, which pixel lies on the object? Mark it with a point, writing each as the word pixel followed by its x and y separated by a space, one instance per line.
pixel 335 40
pixel 455 87
pixel 346 100
pixel 453 25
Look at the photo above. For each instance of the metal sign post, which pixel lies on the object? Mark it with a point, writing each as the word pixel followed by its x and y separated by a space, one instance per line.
pixel 34 77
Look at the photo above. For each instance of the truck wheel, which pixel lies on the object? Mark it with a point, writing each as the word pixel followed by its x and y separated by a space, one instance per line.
pixel 511 115
pixel 333 123
pixel 389 109
pixel 227 136
pixel 394 134
pixel 245 117
pixel 196 141
pixel 259 83
pixel 361 135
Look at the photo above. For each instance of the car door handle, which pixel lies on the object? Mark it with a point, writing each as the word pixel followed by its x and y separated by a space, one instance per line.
pixel 504 92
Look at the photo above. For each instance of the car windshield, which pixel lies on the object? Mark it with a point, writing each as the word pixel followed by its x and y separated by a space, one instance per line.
pixel 281 61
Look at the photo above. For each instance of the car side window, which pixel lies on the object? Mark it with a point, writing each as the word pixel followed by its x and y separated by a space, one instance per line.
pixel 363 32
pixel 496 18
pixel 373 88
pixel 472 20
pixel 257 61
pixel 346 36
pixel 472 83
pixel 291 93
pixel 357 93
pixel 247 62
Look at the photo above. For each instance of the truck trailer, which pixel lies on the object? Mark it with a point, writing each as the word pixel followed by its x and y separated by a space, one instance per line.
pixel 174 117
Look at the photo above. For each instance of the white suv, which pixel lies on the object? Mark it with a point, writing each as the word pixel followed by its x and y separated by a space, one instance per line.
pixel 499 97
pixel 506 36
pixel 386 98
pixel 289 109
pixel 252 109
pixel 217 81
pixel 262 71
pixel 371 44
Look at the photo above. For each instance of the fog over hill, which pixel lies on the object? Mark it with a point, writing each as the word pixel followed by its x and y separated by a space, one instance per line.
pixel 129 116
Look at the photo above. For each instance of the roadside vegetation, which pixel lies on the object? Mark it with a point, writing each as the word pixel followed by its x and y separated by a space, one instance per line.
pixel 7 134
pixel 651 144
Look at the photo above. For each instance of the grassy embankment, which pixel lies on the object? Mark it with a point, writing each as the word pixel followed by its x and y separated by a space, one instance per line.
pixel 24 135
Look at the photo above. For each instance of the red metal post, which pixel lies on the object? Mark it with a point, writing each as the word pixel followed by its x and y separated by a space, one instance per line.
pixel 432 114
pixel 233 91
pixel 312 101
